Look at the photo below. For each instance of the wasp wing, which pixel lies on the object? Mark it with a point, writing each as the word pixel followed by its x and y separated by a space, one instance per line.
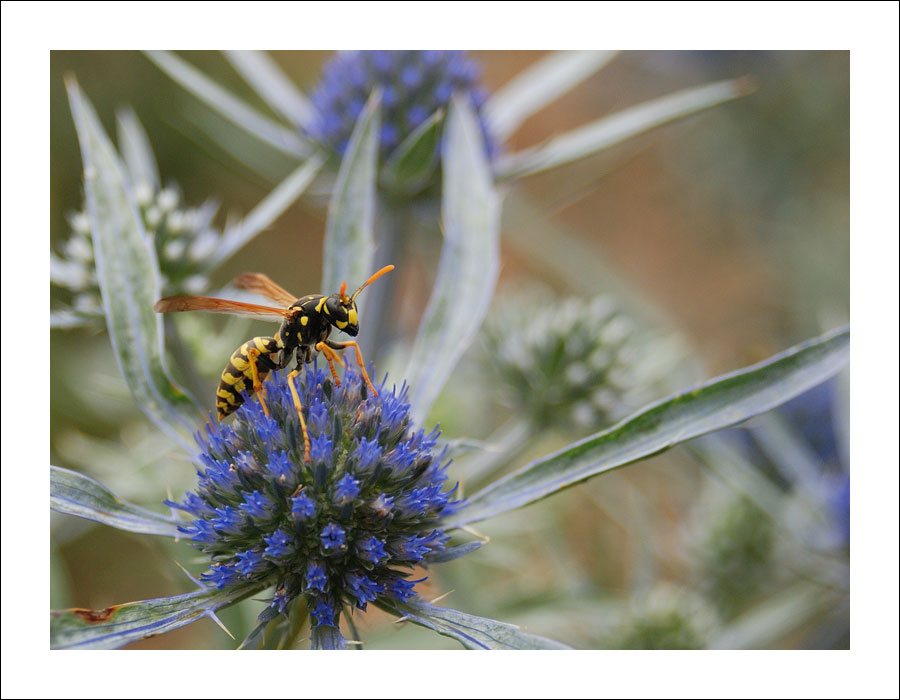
pixel 261 284
pixel 218 306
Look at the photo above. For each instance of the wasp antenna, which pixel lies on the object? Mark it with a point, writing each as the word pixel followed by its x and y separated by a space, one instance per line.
pixel 383 271
pixel 343 291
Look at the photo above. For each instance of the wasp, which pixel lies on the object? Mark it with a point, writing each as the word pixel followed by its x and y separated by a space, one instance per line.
pixel 306 325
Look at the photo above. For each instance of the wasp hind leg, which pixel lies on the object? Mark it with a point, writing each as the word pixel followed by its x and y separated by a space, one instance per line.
pixel 252 357
pixel 359 360
pixel 299 406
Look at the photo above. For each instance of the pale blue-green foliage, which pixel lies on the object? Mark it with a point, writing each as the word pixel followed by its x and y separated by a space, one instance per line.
pixel 409 179
pixel 470 260
pixel 349 232
pixel 504 112
pixel 128 276
pixel 188 246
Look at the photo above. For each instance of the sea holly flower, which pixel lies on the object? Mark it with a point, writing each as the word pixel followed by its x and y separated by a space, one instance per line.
pixel 569 364
pixel 414 85
pixel 349 551
pixel 184 238
pixel 343 555
pixel 468 137
pixel 735 552
pixel 338 530
pixel 665 618
pixel 577 363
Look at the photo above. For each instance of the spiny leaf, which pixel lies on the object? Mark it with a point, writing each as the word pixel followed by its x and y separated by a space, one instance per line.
pixel 349 237
pixel 467 273
pixel 608 131
pixel 267 211
pixel 118 625
pixel 77 494
pixel 717 404
pixel 228 105
pixel 538 85
pixel 270 82
pixel 136 150
pixel 128 273
pixel 471 631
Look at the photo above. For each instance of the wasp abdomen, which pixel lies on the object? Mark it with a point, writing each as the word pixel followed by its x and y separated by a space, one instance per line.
pixel 237 377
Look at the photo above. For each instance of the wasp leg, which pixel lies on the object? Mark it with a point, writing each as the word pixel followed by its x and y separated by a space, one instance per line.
pixel 299 407
pixel 332 357
pixel 252 354
pixel 359 360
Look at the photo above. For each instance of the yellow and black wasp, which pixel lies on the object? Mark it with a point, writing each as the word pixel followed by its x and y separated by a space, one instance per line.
pixel 306 324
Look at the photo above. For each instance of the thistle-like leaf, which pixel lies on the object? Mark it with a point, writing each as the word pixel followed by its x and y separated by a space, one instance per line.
pixel 128 274
pixel 230 106
pixel 349 236
pixel 413 163
pixel 136 150
pixel 538 85
pixel 267 211
pixel 452 553
pixel 77 494
pixel 467 273
pixel 609 131
pixel 717 404
pixel 471 631
pixel 118 625
pixel 270 83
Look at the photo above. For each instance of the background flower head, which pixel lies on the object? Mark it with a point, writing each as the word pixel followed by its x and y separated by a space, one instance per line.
pixel 414 85
pixel 567 361
pixel 184 238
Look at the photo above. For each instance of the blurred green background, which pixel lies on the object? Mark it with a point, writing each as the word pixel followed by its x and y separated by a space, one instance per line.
pixel 733 226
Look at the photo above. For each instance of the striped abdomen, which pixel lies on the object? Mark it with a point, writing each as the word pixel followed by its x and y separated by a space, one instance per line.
pixel 238 377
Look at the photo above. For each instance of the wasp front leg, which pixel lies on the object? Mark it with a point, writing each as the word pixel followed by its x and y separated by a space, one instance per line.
pixel 359 360
pixel 299 407
pixel 325 348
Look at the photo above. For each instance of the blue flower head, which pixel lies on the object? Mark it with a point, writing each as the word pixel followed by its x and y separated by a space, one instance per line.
pixel 414 85
pixel 344 529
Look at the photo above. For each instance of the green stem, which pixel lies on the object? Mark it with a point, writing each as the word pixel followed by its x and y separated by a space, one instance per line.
pixel 353 630
pixel 298 617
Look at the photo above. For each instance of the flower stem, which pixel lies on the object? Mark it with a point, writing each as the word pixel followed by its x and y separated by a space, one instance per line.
pixel 297 618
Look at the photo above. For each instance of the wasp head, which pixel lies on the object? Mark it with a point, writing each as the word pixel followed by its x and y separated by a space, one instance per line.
pixel 341 311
